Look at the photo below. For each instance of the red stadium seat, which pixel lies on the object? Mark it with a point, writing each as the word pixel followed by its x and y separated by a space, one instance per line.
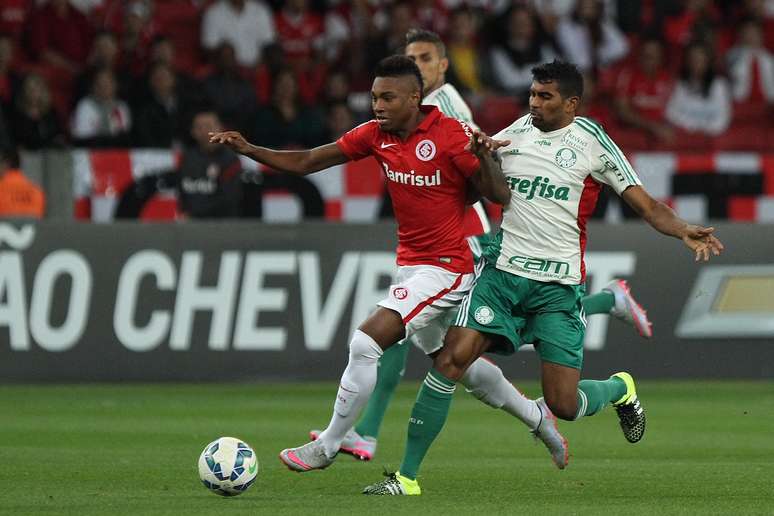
pixel 630 139
pixel 686 142
pixel 743 138
pixel 749 113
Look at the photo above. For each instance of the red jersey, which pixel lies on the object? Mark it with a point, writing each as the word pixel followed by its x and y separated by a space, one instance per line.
pixel 647 95
pixel 426 176
pixel 298 35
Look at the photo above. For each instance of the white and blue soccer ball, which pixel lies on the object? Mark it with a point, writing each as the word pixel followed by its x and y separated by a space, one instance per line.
pixel 228 466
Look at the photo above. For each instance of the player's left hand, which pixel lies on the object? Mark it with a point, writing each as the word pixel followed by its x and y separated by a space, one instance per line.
pixel 480 143
pixel 702 242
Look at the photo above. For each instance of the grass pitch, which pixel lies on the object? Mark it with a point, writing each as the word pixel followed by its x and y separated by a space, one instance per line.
pixel 132 449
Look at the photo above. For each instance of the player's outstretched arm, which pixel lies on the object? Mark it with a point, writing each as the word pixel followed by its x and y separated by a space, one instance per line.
pixel 300 162
pixel 663 218
pixel 489 180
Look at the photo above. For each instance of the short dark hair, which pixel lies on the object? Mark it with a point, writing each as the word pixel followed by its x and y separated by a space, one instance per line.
pixel 709 75
pixel 399 66
pixel 426 36
pixel 568 79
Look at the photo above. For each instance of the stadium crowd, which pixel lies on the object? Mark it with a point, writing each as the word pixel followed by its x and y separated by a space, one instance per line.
pixel 689 75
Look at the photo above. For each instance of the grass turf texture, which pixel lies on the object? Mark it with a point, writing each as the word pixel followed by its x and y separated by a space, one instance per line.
pixel 115 449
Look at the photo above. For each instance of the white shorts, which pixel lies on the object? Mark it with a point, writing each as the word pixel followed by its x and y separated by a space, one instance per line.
pixel 430 338
pixel 423 294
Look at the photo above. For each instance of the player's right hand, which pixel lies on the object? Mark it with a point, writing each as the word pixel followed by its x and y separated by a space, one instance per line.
pixel 232 139
pixel 702 242
pixel 481 143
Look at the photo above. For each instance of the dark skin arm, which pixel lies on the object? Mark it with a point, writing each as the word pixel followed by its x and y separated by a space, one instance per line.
pixel 663 219
pixel 489 179
pixel 300 162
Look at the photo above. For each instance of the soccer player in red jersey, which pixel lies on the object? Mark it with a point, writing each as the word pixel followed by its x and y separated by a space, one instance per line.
pixel 429 161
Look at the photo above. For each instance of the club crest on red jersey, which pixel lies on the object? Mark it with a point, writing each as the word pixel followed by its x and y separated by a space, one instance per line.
pixel 425 150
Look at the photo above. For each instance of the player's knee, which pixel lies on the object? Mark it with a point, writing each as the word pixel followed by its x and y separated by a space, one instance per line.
pixel 446 364
pixel 563 407
pixel 363 348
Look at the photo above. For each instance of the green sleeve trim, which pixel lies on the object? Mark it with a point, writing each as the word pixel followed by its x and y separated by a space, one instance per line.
pixel 608 145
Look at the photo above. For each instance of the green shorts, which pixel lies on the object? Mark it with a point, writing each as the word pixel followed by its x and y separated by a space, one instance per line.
pixel 526 311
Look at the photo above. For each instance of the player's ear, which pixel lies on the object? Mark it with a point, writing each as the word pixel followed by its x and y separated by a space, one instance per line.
pixel 444 64
pixel 571 104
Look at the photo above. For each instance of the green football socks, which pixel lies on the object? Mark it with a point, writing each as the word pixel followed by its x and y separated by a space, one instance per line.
pixel 427 419
pixel 594 395
pixel 391 366
pixel 600 303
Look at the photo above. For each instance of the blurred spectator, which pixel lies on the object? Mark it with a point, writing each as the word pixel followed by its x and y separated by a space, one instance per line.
pixel 338 90
pixel 247 25
pixel 300 32
pixel 697 21
pixel 101 119
pixel 13 15
pixel 348 26
pixel 159 118
pixel 35 123
pixel 60 35
pixel 551 12
pixel 643 90
pixel 751 66
pixel 593 105
pixel 180 21
pixel 210 183
pixel 556 8
pixel 9 80
pixel 273 62
pixel 162 51
pixel 19 197
pixel 763 12
pixel 701 101
pixel 285 122
pixel 642 17
pixel 232 94
pixel 337 87
pixel 339 120
pixel 390 40
pixel 432 15
pixel 590 40
pixel 104 54
pixel 522 49
pixel 136 33
pixel 463 51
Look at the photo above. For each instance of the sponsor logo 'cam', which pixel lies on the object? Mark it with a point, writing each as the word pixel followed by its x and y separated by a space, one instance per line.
pixel 549 267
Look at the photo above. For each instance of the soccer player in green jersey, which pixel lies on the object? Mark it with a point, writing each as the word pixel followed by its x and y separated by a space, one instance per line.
pixel 428 51
pixel 531 288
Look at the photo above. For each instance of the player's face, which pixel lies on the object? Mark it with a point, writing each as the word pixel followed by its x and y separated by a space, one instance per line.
pixel 203 124
pixel 431 65
pixel 394 100
pixel 548 109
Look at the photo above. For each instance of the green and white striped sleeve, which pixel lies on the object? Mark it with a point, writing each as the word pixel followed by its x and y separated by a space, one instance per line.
pixel 609 165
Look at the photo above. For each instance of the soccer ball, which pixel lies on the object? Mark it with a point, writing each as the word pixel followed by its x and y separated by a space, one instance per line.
pixel 228 466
